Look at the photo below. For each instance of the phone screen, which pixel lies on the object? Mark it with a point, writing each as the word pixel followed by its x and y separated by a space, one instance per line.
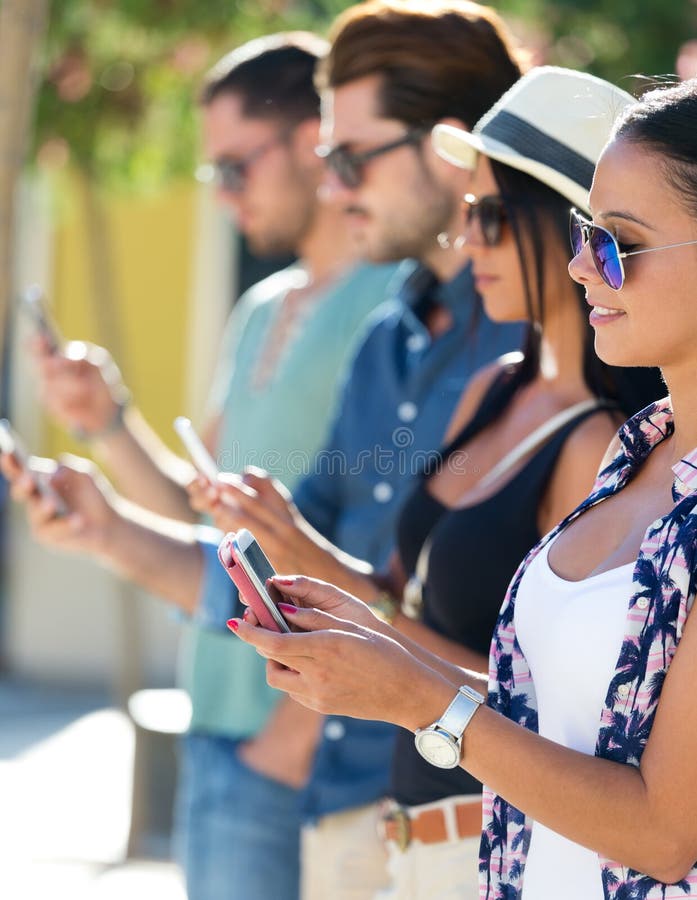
pixel 253 559
pixel 263 569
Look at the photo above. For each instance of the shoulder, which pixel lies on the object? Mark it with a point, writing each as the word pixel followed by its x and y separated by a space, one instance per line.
pixel 271 288
pixel 476 389
pixel 583 454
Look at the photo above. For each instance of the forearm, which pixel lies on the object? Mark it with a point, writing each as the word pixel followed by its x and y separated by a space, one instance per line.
pixel 443 648
pixel 145 470
pixel 602 805
pixel 160 555
pixel 454 672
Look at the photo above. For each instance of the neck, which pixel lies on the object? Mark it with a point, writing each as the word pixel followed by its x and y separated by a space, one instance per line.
pixel 444 262
pixel 681 385
pixel 326 248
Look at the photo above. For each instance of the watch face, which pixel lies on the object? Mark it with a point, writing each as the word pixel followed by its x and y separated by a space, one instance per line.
pixel 437 748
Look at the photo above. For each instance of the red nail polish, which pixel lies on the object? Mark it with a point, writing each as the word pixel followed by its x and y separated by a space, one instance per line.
pixel 287 608
pixel 233 624
pixel 287 581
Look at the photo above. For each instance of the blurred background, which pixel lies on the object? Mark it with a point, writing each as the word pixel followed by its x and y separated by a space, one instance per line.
pixel 99 205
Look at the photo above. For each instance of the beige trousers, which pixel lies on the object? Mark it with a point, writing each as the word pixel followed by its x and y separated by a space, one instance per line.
pixel 448 871
pixel 342 857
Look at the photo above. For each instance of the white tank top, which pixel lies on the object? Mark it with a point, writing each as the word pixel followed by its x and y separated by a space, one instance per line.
pixel 571 634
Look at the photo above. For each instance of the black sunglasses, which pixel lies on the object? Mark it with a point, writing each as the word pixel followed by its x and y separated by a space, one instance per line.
pixel 230 174
pixel 348 166
pixel 490 212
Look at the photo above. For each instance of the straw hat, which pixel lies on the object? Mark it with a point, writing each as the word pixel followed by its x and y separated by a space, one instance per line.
pixel 553 123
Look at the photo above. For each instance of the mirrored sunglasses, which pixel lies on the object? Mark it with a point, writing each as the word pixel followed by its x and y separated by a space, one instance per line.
pixel 606 251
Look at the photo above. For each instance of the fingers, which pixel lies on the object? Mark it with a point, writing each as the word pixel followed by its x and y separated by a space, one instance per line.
pixel 203 496
pixel 287 649
pixel 312 619
pixel 309 592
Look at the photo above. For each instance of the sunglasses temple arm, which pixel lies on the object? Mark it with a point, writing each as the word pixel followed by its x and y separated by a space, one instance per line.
pixel 651 249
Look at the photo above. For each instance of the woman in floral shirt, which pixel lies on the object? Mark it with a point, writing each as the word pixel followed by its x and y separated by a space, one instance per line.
pixel 615 819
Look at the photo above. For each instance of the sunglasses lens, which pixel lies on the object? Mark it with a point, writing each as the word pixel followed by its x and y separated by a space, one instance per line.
pixel 491 215
pixel 606 258
pixel 575 235
pixel 230 177
pixel 342 164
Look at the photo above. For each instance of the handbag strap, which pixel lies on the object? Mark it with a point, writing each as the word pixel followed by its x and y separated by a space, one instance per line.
pixel 536 438
pixel 413 593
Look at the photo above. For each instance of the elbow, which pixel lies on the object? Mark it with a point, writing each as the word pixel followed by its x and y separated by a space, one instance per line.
pixel 671 860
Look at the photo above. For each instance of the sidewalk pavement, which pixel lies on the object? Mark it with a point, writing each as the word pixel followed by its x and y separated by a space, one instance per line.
pixel 66 761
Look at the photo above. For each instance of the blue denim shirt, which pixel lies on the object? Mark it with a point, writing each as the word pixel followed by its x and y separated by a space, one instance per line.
pixel 396 404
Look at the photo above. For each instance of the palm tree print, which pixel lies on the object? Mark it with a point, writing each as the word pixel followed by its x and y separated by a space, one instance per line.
pixel 664 587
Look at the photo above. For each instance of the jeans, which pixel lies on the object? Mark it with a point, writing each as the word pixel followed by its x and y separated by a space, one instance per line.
pixel 237 833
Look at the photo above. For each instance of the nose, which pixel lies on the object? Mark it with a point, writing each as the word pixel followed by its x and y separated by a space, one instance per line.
pixel 582 268
pixel 333 189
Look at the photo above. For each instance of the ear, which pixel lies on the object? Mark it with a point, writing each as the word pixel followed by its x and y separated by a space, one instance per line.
pixel 304 140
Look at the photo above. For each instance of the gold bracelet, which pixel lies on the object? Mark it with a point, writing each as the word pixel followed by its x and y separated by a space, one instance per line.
pixel 385 607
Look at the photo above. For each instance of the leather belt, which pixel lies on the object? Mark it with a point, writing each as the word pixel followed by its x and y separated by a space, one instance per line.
pixel 436 824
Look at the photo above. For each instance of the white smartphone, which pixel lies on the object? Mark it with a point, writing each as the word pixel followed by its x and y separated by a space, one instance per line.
pixel 40 469
pixel 200 457
pixel 34 303
pixel 248 566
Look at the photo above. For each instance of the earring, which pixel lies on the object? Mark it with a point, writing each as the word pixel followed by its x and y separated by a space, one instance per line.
pixel 443 240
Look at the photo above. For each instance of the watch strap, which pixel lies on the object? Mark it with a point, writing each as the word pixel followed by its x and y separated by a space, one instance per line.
pixel 459 713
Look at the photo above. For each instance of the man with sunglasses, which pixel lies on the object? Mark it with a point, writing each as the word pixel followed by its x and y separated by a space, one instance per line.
pixel 283 351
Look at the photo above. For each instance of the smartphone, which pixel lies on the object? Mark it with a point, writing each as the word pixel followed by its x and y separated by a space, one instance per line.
pixel 247 565
pixel 41 469
pixel 196 449
pixel 35 305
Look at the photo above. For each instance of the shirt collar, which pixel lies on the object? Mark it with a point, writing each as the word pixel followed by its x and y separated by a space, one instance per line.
pixel 640 434
pixel 457 295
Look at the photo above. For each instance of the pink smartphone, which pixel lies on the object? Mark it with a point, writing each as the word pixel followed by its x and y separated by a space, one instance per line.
pixel 247 565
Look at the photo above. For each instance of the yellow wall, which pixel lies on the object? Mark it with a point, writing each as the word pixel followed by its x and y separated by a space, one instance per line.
pixel 150 241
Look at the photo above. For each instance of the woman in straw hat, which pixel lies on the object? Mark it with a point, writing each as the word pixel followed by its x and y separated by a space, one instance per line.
pixel 586 738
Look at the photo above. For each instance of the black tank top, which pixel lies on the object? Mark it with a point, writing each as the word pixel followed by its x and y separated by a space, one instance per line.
pixel 475 551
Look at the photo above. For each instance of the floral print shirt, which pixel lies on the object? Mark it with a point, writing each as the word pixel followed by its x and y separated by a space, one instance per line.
pixel 664 584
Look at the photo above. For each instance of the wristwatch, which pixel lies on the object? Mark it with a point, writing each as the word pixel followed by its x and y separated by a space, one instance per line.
pixel 440 744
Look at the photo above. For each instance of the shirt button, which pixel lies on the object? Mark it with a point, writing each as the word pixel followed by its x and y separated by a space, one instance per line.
pixel 416 342
pixel 623 691
pixel 334 730
pixel 657 524
pixel 407 411
pixel 642 602
pixel 383 492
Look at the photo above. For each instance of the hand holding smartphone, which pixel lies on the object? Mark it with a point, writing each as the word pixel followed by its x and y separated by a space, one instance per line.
pixel 200 457
pixel 39 469
pixel 247 565
pixel 34 304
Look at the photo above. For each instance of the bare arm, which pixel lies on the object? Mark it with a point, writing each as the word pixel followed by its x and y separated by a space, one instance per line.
pixel 82 389
pixel 643 817
pixel 159 554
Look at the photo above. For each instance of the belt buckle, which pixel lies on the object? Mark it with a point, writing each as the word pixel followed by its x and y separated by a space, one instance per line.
pixel 402 823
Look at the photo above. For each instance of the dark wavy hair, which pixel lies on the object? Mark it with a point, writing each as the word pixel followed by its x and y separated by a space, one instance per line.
pixel 665 121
